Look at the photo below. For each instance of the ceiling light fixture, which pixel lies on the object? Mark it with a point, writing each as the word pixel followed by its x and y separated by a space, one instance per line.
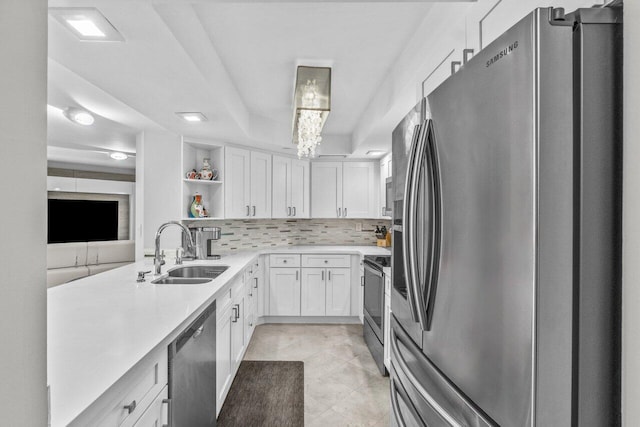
pixel 86 23
pixel 118 156
pixel 376 152
pixel 193 117
pixel 311 107
pixel 79 116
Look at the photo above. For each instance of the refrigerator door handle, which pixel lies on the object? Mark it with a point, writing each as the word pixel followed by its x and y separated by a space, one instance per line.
pixel 413 236
pixel 427 295
pixel 396 356
pixel 407 208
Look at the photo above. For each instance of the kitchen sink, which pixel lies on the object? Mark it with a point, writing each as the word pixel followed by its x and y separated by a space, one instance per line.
pixel 181 281
pixel 200 271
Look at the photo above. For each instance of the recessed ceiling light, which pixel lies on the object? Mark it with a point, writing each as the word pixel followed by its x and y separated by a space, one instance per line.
pixel 193 117
pixel 78 115
pixel 118 156
pixel 86 23
pixel 376 152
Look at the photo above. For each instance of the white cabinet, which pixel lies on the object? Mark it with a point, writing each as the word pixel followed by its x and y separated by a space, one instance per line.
pixel 223 352
pixel 360 190
pixel 344 190
pixel 290 195
pixel 284 291
pixel 326 190
pixel 248 184
pixel 325 292
pixel 252 279
pixel 338 294
pixel 157 414
pixel 313 292
pixel 260 194
pixel 237 329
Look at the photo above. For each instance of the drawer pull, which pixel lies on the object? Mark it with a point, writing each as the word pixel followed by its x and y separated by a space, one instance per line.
pixel 326 261
pixel 131 407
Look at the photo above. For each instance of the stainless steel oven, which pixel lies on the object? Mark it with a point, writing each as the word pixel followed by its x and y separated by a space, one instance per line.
pixel 374 307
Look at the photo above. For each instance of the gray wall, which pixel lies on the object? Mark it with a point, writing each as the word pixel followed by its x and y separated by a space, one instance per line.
pixel 23 223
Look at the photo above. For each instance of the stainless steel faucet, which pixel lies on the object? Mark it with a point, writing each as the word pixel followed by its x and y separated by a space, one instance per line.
pixel 158 259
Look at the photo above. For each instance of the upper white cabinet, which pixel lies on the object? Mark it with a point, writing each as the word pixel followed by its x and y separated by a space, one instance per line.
pixel 290 195
pixel 344 190
pixel 248 184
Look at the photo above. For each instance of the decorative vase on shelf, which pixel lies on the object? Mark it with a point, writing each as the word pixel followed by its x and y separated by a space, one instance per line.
pixel 196 210
pixel 206 173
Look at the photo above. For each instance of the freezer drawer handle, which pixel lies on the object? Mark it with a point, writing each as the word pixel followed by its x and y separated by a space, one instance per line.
pixel 397 356
pixel 395 394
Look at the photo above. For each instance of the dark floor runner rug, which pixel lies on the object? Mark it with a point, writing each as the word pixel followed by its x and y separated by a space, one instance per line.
pixel 265 393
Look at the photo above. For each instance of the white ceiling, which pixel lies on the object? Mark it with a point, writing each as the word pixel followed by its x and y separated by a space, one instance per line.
pixel 233 61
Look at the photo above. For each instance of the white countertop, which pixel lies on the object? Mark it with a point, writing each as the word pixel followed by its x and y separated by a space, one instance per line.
pixel 99 327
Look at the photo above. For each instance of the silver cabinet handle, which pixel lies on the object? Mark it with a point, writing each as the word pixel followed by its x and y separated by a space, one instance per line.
pixel 339 212
pixel 168 402
pixel 289 211
pixel 236 313
pixel 322 275
pixel 345 212
pixel 329 271
pixel 294 211
pixel 254 211
pixel 248 214
pixel 255 283
pixel 297 271
pixel 361 280
pixel 131 407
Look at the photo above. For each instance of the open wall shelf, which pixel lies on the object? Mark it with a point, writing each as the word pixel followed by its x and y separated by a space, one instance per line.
pixel 212 191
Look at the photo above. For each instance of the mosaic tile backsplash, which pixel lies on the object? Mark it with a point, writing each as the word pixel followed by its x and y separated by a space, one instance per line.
pixel 241 234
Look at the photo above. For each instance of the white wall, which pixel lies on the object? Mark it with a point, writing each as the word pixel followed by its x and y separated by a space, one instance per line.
pixel 631 219
pixel 23 126
pixel 158 189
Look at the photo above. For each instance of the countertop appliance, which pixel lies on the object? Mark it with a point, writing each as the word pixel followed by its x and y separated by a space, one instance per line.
pixel 507 230
pixel 204 238
pixel 192 373
pixel 374 307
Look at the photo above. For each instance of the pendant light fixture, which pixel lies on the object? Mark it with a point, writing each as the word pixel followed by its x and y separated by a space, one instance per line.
pixel 311 106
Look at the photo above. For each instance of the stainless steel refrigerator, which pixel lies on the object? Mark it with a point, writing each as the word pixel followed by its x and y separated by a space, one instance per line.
pixel 507 233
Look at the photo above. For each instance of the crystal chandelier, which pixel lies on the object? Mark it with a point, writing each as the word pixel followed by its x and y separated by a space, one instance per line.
pixel 312 103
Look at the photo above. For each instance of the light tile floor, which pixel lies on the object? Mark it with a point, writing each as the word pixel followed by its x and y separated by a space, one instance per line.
pixel 342 385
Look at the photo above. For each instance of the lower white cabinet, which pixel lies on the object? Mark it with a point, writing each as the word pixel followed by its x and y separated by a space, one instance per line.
pixel 157 413
pixel 223 354
pixel 237 331
pixel 284 292
pixel 313 292
pixel 325 292
pixel 338 296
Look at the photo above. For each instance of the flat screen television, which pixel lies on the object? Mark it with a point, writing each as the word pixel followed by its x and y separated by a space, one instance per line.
pixel 82 221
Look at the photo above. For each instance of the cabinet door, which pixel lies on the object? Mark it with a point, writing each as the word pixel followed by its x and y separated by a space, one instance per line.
pixel 223 355
pixel 313 292
pixel 260 185
pixel 326 190
pixel 237 332
pixel 284 292
pixel 237 183
pixel 281 188
pixel 338 297
pixel 300 188
pixel 360 194
pixel 156 414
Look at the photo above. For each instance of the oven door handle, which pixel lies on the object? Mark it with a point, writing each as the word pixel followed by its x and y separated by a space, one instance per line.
pixel 372 270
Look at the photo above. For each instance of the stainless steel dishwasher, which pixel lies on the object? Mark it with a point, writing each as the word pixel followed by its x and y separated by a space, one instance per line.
pixel 192 373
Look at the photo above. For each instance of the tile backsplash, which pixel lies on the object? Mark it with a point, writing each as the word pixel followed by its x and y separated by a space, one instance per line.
pixel 241 234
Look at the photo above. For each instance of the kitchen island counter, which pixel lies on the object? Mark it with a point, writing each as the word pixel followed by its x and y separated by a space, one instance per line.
pixel 100 327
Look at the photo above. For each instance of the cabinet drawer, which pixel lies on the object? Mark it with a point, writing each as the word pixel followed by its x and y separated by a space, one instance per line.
pixel 223 301
pixel 324 260
pixel 157 414
pixel 284 260
pixel 144 384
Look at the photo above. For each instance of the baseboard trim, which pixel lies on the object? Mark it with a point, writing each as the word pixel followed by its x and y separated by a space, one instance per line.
pixel 309 319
